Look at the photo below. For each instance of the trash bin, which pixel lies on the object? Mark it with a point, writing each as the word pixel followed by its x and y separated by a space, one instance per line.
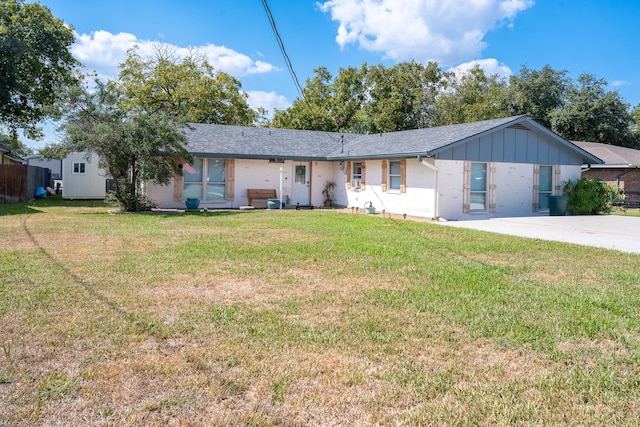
pixel 558 205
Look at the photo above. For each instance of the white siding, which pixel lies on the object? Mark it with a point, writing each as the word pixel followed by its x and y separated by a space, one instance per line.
pixel 418 200
pixel 90 185
pixel 262 174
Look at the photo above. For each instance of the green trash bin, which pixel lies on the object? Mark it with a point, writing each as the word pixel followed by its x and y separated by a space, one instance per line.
pixel 558 205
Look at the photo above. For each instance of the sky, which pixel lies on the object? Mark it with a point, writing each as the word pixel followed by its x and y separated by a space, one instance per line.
pixel 581 36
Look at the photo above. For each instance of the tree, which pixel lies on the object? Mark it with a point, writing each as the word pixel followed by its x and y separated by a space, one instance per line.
pixel 133 146
pixel 403 96
pixel 537 93
pixel 328 103
pixel 591 113
pixel 189 90
pixel 471 97
pixel 35 65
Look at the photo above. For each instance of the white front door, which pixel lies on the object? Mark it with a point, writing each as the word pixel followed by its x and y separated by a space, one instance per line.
pixel 301 187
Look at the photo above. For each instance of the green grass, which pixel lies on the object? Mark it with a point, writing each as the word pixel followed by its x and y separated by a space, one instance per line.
pixel 307 318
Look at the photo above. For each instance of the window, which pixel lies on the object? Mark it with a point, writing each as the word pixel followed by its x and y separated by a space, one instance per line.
pixel 545 186
pixel 478 196
pixel 356 174
pixel 79 167
pixel 395 176
pixel 205 179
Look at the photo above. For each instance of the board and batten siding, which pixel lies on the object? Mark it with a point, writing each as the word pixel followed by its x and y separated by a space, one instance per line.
pixel 512 145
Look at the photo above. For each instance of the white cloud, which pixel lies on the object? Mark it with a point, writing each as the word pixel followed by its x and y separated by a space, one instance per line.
pixel 104 52
pixel 490 66
pixel 447 31
pixel 268 100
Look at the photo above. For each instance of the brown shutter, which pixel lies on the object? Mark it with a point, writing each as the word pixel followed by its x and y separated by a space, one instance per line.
pixel 403 176
pixel 177 188
pixel 466 188
pixel 536 187
pixel 383 181
pixel 348 175
pixel 492 187
pixel 230 179
pixel 364 176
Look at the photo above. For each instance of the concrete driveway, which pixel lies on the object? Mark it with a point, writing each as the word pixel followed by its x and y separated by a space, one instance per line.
pixel 621 233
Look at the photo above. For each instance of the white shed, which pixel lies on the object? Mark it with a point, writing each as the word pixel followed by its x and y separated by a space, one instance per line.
pixel 82 177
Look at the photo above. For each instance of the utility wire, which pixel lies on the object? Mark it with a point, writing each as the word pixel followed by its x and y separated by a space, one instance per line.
pixel 283 50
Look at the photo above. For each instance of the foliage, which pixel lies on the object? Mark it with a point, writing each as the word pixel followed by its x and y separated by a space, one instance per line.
pixel 537 93
pixel 471 97
pixel 36 65
pixel 591 113
pixel 134 147
pixel 328 190
pixel 590 196
pixel 16 146
pixel 189 90
pixel 409 95
pixel 329 104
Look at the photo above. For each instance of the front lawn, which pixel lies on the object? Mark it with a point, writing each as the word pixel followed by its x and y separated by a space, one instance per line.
pixel 307 318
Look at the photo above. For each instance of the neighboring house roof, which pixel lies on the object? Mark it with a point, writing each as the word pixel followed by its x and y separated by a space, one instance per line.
pixel 6 152
pixel 259 143
pixel 612 155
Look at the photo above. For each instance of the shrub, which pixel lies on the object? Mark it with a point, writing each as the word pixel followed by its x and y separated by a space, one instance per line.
pixel 590 196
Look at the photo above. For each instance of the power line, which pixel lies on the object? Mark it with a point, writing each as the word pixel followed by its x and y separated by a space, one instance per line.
pixel 282 49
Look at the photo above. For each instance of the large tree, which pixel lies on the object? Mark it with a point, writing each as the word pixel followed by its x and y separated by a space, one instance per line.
pixel 35 65
pixel 134 146
pixel 470 97
pixel 188 89
pixel 328 103
pixel 537 93
pixel 592 113
pixel 402 96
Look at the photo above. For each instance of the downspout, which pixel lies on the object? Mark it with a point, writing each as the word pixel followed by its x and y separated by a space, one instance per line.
pixel 435 169
pixel 620 175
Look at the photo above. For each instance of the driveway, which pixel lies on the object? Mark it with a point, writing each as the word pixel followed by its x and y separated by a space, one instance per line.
pixel 621 233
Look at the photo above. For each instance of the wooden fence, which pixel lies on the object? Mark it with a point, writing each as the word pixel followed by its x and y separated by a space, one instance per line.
pixel 18 183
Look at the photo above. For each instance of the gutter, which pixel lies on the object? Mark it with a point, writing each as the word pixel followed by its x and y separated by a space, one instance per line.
pixel 435 169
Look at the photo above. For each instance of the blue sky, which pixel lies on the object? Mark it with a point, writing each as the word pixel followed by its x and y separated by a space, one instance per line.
pixel 592 36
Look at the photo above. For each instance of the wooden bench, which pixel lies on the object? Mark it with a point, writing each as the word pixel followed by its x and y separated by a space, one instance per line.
pixel 261 195
pixel 625 204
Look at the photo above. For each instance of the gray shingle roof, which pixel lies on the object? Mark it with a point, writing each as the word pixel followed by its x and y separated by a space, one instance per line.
pixel 260 143
pixel 252 142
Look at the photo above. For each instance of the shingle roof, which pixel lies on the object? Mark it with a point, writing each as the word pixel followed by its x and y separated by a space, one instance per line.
pixel 252 142
pixel 260 143
pixel 611 154
pixel 417 141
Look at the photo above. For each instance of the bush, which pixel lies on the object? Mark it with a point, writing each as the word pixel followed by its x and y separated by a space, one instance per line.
pixel 590 196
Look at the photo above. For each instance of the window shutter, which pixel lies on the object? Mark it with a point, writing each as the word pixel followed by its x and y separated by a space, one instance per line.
pixel 364 175
pixel 403 176
pixel 177 188
pixel 556 179
pixel 466 188
pixel 348 175
pixel 492 188
pixel 230 176
pixel 383 183
pixel 536 187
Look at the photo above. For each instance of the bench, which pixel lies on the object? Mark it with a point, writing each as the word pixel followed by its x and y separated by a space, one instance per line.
pixel 260 195
pixel 625 204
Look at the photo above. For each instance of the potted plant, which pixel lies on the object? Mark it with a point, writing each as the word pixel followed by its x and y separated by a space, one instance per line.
pixel 192 203
pixel 328 193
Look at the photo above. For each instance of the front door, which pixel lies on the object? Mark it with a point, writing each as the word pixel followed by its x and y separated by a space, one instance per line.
pixel 301 187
